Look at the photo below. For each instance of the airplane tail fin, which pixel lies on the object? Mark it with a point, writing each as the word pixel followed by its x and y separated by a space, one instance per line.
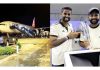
pixel 33 23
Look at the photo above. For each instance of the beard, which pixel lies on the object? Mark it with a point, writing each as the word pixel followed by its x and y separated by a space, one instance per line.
pixel 66 19
pixel 94 21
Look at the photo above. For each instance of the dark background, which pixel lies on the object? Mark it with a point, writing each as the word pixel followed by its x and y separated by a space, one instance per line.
pixel 24 13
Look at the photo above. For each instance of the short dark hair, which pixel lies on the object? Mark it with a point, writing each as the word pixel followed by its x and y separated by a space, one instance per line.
pixel 66 8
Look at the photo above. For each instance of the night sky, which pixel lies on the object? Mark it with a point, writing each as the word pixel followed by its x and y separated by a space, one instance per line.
pixel 24 13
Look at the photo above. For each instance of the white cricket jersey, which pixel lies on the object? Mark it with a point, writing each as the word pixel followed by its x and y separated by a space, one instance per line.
pixel 94 37
pixel 60 31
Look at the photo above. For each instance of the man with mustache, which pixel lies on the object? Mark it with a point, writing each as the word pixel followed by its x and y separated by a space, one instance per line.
pixel 93 30
pixel 61 36
pixel 91 40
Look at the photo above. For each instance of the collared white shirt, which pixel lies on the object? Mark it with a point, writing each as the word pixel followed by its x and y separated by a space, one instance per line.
pixel 60 31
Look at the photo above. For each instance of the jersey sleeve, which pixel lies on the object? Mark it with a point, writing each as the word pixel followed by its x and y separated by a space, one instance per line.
pixel 53 30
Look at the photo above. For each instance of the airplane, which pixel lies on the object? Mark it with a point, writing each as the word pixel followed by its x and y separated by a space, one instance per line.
pixel 10 30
